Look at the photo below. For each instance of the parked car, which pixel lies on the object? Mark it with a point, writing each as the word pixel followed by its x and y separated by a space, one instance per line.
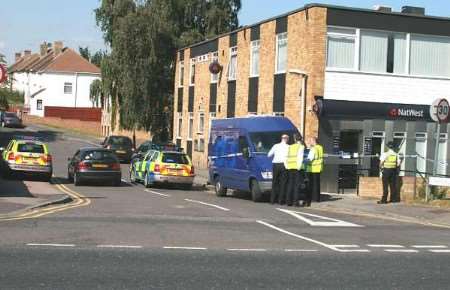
pixel 122 146
pixel 94 164
pixel 27 155
pixel 163 167
pixel 9 119
pixel 237 153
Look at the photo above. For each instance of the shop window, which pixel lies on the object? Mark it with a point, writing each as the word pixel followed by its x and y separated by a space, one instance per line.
pixel 232 67
pixel 421 152
pixel 281 53
pixel 400 146
pixel 442 155
pixel 430 56
pixel 376 148
pixel 254 58
pixel 349 141
pixel 341 48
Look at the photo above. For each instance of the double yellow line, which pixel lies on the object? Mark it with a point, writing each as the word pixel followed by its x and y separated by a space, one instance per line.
pixel 78 200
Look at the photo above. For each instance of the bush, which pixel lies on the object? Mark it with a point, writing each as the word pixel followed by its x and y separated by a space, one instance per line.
pixel 10 97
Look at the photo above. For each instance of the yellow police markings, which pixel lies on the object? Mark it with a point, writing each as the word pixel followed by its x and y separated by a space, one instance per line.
pixel 78 201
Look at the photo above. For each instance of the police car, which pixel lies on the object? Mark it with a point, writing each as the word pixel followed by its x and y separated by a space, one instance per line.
pixel 167 164
pixel 27 155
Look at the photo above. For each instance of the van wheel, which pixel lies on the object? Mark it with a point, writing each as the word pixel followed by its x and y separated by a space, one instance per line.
pixel 256 191
pixel 220 190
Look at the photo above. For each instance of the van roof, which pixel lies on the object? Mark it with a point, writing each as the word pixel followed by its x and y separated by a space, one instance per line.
pixel 255 124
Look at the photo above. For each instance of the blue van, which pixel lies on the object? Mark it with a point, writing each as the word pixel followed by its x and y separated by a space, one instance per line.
pixel 237 153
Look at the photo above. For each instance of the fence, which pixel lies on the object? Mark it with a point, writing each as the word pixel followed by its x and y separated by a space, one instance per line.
pixel 82 114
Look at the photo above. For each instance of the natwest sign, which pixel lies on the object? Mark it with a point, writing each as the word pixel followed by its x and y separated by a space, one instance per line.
pixel 406 113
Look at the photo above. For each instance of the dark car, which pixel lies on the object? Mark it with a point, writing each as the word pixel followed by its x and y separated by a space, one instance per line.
pixel 94 164
pixel 9 119
pixel 122 146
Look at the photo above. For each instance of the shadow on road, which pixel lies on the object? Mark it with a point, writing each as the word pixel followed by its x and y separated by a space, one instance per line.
pixel 13 188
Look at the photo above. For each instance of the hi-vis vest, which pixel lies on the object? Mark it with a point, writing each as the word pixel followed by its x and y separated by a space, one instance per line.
pixel 391 161
pixel 291 162
pixel 316 165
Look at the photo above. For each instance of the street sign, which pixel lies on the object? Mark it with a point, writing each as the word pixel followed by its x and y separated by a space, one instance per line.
pixel 440 110
pixel 3 73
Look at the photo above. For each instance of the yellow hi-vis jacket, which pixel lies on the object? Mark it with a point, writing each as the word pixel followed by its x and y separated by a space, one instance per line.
pixel 316 165
pixel 391 161
pixel 295 157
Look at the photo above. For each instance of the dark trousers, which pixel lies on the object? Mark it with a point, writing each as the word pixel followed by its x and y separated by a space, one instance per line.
pixel 390 177
pixel 313 189
pixel 295 180
pixel 279 176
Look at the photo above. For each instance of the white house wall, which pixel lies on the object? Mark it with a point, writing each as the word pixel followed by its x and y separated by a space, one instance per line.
pixel 364 87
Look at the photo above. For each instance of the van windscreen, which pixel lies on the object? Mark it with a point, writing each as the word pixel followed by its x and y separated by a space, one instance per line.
pixel 263 141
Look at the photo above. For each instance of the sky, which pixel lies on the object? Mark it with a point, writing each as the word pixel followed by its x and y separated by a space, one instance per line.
pixel 25 24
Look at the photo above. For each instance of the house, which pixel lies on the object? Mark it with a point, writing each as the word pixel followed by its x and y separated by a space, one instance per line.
pixel 354 78
pixel 57 76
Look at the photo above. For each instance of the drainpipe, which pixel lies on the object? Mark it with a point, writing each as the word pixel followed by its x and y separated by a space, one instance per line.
pixel 76 88
pixel 304 76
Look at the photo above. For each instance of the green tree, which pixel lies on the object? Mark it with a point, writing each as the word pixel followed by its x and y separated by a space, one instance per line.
pixel 85 53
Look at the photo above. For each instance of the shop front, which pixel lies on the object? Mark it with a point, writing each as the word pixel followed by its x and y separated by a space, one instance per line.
pixel 354 134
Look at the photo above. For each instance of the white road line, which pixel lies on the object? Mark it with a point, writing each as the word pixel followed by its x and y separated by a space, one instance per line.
pixel 207 204
pixel 247 250
pixel 331 247
pixel 81 140
pixel 328 222
pixel 119 246
pixel 385 246
pixel 157 193
pixel 185 248
pixel 51 245
pixel 430 247
pixel 299 250
pixel 401 251
pixel 440 251
pixel 345 246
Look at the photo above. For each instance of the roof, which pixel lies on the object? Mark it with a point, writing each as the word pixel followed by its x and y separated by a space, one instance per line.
pixel 255 124
pixel 68 61
pixel 313 5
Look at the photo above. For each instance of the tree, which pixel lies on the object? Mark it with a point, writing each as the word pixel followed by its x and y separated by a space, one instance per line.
pixel 144 36
pixel 95 58
pixel 85 53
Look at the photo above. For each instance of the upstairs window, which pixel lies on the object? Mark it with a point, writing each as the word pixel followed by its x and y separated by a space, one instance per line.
pixel 341 48
pixel 192 73
pixel 67 88
pixel 430 56
pixel 181 77
pixel 254 58
pixel 232 67
pixel 281 53
pixel 201 123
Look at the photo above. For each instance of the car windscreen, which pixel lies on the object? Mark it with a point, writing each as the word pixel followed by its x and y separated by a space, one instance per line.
pixel 175 158
pixel 99 155
pixel 263 141
pixel 10 115
pixel 124 141
pixel 30 148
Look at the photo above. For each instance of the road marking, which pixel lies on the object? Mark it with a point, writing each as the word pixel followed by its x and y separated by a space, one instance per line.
pixel 51 245
pixel 385 246
pixel 299 250
pixel 207 204
pixel 430 247
pixel 331 247
pixel 157 193
pixel 119 246
pixel 185 248
pixel 330 222
pixel 247 250
pixel 345 246
pixel 82 141
pixel 440 251
pixel 401 251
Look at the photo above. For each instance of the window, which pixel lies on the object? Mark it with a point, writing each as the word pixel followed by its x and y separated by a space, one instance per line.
pixel 200 145
pixel 442 155
pixel 430 56
pixel 180 125
pixel 281 53
pixel 191 126
pixel 181 79
pixel 67 88
pixel 232 67
pixel 421 152
pixel 279 114
pixel 215 58
pixel 212 115
pixel 201 123
pixel 341 48
pixel 39 105
pixel 192 73
pixel 400 144
pixel 243 144
pixel 254 58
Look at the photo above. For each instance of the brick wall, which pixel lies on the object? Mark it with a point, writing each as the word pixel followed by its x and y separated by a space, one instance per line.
pixel 82 114
pixel 85 127
pixel 372 187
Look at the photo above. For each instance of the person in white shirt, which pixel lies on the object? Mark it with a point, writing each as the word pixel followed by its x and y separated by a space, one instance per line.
pixel 279 152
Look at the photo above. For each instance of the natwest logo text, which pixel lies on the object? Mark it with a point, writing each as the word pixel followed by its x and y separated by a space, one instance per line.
pixel 408 113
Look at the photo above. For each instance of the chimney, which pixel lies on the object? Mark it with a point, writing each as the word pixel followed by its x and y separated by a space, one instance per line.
pixel 43 48
pixel 17 56
pixel 27 52
pixel 58 47
pixel 382 8
pixel 420 11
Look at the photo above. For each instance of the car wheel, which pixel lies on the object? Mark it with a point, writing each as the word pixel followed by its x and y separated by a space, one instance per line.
pixel 147 183
pixel 76 180
pixel 117 182
pixel 220 190
pixel 256 191
pixel 48 177
pixel 187 186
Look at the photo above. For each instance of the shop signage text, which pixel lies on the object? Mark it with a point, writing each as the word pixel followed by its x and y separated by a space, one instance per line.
pixel 400 112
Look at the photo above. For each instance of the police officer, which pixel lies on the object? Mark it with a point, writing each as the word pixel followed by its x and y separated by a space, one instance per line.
pixel 279 153
pixel 294 166
pixel 389 164
pixel 314 169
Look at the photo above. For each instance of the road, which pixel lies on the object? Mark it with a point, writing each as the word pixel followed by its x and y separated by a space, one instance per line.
pixel 164 238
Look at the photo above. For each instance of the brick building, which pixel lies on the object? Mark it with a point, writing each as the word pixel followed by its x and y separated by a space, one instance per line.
pixel 356 78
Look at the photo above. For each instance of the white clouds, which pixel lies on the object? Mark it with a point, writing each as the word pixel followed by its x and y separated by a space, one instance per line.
pixel 2 44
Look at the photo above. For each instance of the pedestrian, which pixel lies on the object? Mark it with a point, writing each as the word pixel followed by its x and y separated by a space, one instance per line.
pixel 279 153
pixel 314 169
pixel 390 164
pixel 294 166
